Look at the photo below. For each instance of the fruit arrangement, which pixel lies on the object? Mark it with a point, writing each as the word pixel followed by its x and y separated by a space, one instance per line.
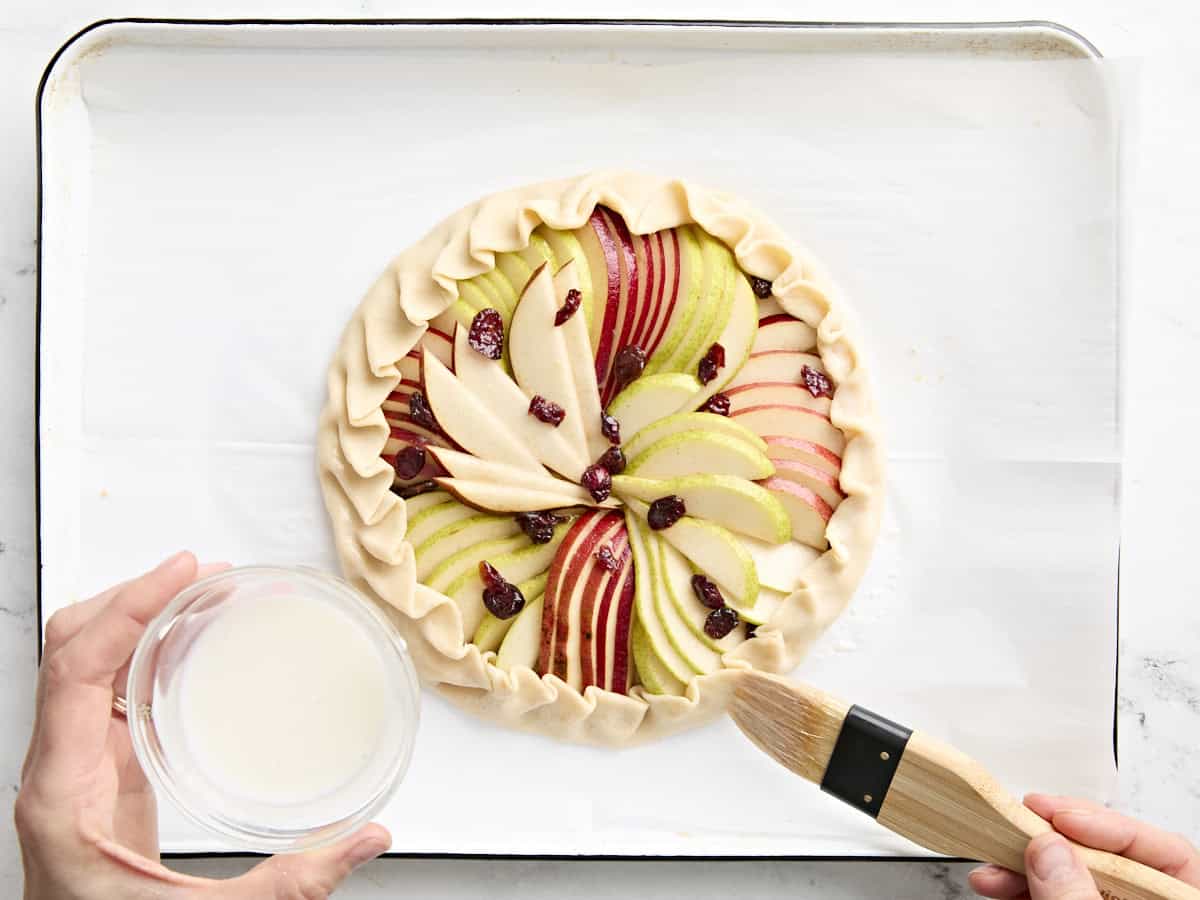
pixel 614 456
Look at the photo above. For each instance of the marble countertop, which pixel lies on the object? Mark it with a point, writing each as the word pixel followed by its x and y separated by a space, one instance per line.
pixel 1155 51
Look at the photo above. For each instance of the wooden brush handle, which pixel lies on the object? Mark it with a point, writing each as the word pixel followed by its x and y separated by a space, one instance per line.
pixel 946 802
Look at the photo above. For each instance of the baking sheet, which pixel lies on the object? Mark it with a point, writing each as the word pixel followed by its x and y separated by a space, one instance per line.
pixel 216 199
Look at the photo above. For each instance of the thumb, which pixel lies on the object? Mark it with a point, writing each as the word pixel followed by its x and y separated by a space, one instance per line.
pixel 309 876
pixel 1055 872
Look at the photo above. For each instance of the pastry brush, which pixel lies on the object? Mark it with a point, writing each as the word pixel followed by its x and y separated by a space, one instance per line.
pixel 914 785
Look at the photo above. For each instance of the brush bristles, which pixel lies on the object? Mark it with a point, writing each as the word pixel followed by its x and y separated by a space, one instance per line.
pixel 794 724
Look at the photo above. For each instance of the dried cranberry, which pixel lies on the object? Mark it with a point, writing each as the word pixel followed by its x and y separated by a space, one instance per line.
pixel 605 557
pixel 713 361
pixel 718 403
pixel 546 410
pixel 486 336
pixel 720 622
pixel 539 526
pixel 707 592
pixel 412 490
pixel 665 512
pixel 613 459
pixel 761 287
pixel 751 630
pixel 817 382
pixel 409 462
pixel 598 481
pixel 610 428
pixel 420 413
pixel 569 308
pixel 502 599
pixel 628 365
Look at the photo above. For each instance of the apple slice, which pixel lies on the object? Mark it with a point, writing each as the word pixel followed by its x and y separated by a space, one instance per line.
pixel 430 519
pixel 654 676
pixel 394 446
pixel 629 292
pixel 568 250
pixel 649 268
pixel 540 359
pixel 470 421
pixel 775 393
pixel 517 565
pixel 662 255
pixel 782 332
pixel 778 366
pixel 487 380
pixel 740 329
pixel 464 467
pixel 797 421
pixel 583 370
pixel 404 430
pixel 688 301
pixel 602 590
pixel 613 625
pixel 651 398
pixel 821 483
pixel 440 345
pixel 808 512
pixel 465 558
pixel 415 506
pixel 676 576
pixel 504 498
pixel 780 446
pixel 770 307
pixel 690 422
pixel 520 645
pixel 779 566
pixel 491 631
pixel 456 536
pixel 715 552
pixel 603 258
pixel 697 453
pixel 410 367
pixel 645 605
pixel 733 503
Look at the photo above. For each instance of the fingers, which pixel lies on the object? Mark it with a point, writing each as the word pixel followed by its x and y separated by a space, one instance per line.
pixel 998 883
pixel 1096 826
pixel 308 876
pixel 1055 872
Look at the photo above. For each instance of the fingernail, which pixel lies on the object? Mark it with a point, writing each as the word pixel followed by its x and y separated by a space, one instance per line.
pixel 1053 859
pixel 365 851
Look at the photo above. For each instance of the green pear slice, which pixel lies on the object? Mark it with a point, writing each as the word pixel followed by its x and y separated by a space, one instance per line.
pixel 492 631
pixel 651 398
pixel 516 270
pixel 645 601
pixel 567 249
pixel 464 467
pixel 795 422
pixel 733 503
pixel 721 277
pixel 523 639
pixel 737 338
pixel 695 453
pixel 503 498
pixel 779 566
pixel 676 574
pixel 517 562
pixel 689 303
pixel 487 380
pixel 457 536
pixel 433 518
pixel 470 421
pixel 654 676
pixel 414 506
pixel 718 554
pixel 688 422
pixel 579 352
pixel 501 289
pixel 539 251
pixel 700 657
pixel 539 356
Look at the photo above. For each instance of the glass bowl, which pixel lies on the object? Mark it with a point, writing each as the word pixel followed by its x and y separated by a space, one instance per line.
pixel 275 707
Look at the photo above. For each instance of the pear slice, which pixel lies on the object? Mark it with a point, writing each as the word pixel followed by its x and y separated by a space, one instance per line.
pixel 651 398
pixel 456 536
pixel 540 358
pixel 467 558
pixel 676 575
pixel 568 250
pixel 736 339
pixel 779 566
pixel 733 503
pixel 721 278
pixel 514 268
pixel 782 332
pixel 465 467
pixel 718 554
pixel 492 631
pixel 645 600
pixel 431 519
pixel 700 657
pixel 796 421
pixel 487 380
pixel 414 506
pixel 503 498
pixel 583 369
pixel 688 422
pixel 521 643
pixel 654 676
pixel 470 422
pixel 700 452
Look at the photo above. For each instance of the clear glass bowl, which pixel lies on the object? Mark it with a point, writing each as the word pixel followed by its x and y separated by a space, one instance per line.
pixel 314 792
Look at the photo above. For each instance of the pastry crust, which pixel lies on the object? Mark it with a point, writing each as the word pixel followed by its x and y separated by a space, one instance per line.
pixel 369 521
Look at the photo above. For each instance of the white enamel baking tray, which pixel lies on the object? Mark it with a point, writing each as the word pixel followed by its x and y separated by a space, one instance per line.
pixel 215 197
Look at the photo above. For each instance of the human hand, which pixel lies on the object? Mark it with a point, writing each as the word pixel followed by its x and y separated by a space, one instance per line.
pixel 85 814
pixel 1055 871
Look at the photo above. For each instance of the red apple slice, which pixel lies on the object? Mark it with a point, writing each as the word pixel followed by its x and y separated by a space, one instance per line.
pixel 613 621
pixel 775 393
pixel 782 332
pixel 410 367
pixel 441 345
pixel 649 268
pixel 666 245
pixel 823 484
pixel 598 591
pixel 781 446
pixel 404 429
pixel 777 366
pixel 808 512
pixel 600 248
pixel 797 421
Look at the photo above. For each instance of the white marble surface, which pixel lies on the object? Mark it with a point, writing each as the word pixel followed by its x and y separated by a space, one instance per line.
pixel 1160 670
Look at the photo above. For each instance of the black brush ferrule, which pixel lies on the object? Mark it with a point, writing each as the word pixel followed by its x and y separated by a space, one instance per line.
pixel 864 760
